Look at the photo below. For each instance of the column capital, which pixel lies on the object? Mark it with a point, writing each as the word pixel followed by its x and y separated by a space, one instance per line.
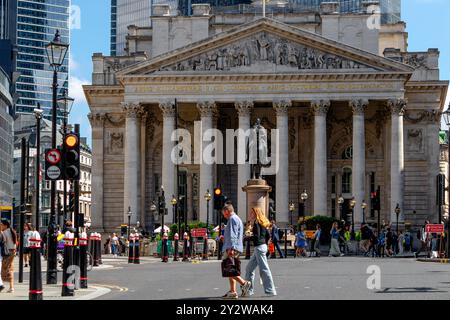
pixel 207 108
pixel 97 119
pixel 244 108
pixel 320 107
pixel 168 108
pixel 359 106
pixel 132 110
pixel 282 107
pixel 397 106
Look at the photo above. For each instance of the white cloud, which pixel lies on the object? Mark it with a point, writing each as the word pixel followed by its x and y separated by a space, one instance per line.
pixel 76 89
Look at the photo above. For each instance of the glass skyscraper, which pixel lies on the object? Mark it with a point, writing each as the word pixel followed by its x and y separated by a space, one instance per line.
pixel 123 14
pixel 37 22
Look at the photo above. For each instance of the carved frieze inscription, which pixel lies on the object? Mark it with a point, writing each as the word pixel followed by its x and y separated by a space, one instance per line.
pixel 264 48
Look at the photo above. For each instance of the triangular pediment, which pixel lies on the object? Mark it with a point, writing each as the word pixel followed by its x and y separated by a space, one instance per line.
pixel 265 46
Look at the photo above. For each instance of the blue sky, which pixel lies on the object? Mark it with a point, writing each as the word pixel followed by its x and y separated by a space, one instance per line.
pixel 427 23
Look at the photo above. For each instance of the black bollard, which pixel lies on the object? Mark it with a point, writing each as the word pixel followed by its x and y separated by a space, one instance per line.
pixel 185 248
pixel 247 249
pixel 131 248
pixel 137 259
pixel 68 288
pixel 175 252
pixel 205 249
pixel 83 261
pixel 99 248
pixel 35 290
pixel 94 248
pixel 165 249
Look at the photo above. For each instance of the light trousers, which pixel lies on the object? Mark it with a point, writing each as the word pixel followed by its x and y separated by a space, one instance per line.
pixel 259 259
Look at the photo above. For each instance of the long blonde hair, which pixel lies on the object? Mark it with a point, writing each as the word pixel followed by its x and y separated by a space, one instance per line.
pixel 261 218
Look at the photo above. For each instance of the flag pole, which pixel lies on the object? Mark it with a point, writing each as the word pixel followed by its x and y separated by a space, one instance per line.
pixel 264 8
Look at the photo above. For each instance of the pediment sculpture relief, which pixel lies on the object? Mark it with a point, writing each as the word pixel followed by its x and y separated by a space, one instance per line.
pixel 263 49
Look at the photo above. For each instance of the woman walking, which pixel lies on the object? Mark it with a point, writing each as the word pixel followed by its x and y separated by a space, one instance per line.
pixel 8 238
pixel 334 248
pixel 114 245
pixel 260 237
pixel 28 232
pixel 317 236
pixel 300 243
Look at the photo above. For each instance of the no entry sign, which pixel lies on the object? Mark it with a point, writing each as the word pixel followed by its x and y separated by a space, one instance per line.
pixel 434 228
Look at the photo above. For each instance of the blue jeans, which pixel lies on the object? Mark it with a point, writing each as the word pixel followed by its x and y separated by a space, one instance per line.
pixel 259 259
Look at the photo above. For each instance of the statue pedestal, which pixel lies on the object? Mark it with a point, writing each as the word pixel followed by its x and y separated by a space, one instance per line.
pixel 257 195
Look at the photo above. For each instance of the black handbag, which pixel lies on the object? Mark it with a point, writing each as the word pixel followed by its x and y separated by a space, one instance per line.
pixel 231 267
pixel 3 251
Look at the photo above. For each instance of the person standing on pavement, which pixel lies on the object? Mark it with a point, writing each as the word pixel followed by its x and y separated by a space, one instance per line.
pixel 389 242
pixel 424 239
pixel 316 240
pixel 300 242
pixel 28 232
pixel 334 248
pixel 260 235
pixel 233 245
pixel 401 240
pixel 114 245
pixel 9 238
pixel 275 238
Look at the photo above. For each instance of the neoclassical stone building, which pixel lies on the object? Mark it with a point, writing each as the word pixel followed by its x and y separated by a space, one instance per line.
pixel 355 112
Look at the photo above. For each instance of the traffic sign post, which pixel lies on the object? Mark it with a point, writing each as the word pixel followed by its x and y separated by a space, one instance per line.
pixel 53 164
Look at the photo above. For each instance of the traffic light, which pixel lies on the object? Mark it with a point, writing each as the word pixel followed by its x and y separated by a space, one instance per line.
pixel 219 199
pixel 375 199
pixel 440 190
pixel 72 156
pixel 53 164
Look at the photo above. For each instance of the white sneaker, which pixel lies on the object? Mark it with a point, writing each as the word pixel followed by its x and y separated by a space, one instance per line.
pixel 230 295
pixel 245 288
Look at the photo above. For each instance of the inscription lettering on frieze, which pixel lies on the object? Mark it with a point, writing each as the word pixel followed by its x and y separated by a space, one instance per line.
pixel 266 88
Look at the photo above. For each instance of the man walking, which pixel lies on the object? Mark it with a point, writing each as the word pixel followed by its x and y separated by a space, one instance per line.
pixel 275 238
pixel 423 237
pixel 233 245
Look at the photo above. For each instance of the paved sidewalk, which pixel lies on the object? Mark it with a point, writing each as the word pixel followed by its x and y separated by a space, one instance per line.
pixel 53 292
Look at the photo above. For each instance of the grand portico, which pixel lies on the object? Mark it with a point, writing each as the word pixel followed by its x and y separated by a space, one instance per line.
pixel 349 121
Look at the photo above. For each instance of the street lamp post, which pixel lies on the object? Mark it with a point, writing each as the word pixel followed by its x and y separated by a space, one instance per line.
pixel 153 210
pixel 446 116
pixel 35 285
pixel 341 201
pixel 174 202
pixel 56 53
pixel 129 213
pixel 162 207
pixel 363 207
pixel 65 103
pixel 304 196
pixel 291 211
pixel 208 198
pixel 397 213
pixel 352 207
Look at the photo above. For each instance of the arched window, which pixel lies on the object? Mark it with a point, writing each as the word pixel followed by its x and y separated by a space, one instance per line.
pixel 347 180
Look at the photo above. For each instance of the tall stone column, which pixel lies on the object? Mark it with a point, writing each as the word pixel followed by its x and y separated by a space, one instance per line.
pixel 143 173
pixel 244 109
pixel 132 182
pixel 207 109
pixel 320 110
pixel 359 157
pixel 282 178
pixel 98 136
pixel 397 109
pixel 168 166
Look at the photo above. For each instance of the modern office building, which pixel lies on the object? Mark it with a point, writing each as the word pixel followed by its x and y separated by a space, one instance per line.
pixel 6 141
pixel 36 23
pixel 138 12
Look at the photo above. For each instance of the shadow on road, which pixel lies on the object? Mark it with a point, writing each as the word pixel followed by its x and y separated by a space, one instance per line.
pixel 411 290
